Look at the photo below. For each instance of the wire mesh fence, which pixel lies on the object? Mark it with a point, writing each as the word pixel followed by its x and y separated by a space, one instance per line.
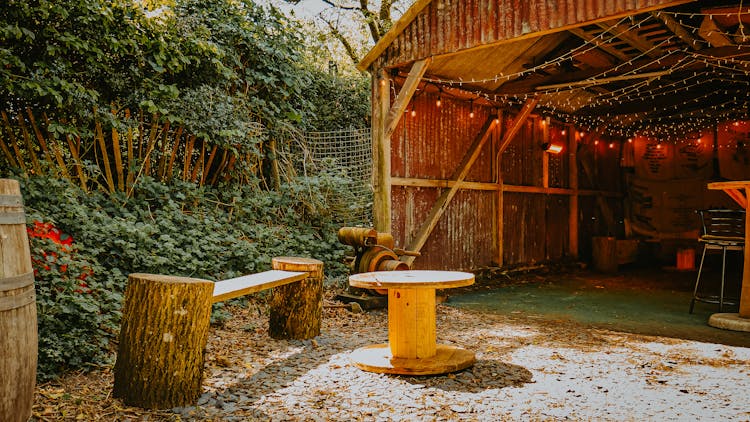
pixel 346 152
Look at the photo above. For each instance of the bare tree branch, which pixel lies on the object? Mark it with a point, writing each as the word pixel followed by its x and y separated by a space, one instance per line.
pixel 370 19
pixel 342 39
pixel 385 16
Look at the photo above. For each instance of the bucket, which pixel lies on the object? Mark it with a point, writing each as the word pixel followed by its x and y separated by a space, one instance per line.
pixel 605 254
pixel 18 329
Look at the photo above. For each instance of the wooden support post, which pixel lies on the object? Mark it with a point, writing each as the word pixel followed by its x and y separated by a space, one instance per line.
pixel 573 201
pixel 499 198
pixel 545 156
pixel 163 337
pixel 381 152
pixel 296 309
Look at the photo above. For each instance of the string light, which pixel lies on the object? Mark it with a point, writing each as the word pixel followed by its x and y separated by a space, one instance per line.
pixel 690 70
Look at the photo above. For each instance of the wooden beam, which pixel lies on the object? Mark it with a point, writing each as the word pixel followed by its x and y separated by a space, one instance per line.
pixel 442 202
pixel 601 44
pixel 381 153
pixel 518 123
pixel 710 32
pixel 630 36
pixel 499 226
pixel 545 155
pixel 602 81
pixel 573 201
pixel 404 95
pixel 678 30
pixel 485 186
pixel 442 183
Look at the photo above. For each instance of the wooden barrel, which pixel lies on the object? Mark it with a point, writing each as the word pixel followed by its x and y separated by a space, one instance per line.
pixel 18 329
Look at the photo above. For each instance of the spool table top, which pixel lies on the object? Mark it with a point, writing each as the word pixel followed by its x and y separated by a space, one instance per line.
pixel 411 279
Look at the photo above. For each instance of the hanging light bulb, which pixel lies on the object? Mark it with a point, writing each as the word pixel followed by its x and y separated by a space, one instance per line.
pixel 471 110
pixel 611 145
pixel 630 140
pixel 563 132
pixel 413 111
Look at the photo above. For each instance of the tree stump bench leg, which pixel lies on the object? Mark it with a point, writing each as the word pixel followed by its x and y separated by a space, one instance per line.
pixel 163 337
pixel 296 309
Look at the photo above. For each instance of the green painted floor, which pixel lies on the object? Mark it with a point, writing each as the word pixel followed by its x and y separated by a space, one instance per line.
pixel 652 301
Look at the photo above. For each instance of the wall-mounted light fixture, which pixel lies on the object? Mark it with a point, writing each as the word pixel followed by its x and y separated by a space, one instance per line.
pixel 552 147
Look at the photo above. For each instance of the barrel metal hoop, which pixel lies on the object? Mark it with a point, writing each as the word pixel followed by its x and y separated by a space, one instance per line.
pixel 11 200
pixel 12 302
pixel 17 281
pixel 12 218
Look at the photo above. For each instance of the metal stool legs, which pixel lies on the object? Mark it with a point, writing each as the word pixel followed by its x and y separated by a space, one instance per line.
pixel 698 280
pixel 723 277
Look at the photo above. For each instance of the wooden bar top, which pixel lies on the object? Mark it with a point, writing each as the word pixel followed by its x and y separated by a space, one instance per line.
pixel 411 279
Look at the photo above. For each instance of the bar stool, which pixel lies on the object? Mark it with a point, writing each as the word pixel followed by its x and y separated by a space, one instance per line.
pixel 722 229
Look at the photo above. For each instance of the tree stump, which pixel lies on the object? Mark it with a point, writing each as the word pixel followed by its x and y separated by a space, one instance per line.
pixel 296 309
pixel 18 327
pixel 163 337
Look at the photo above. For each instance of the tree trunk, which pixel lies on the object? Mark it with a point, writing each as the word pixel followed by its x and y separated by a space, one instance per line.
pixel 296 309
pixel 18 328
pixel 163 337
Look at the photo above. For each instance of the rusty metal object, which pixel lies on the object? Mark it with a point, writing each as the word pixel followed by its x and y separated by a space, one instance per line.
pixel 358 236
pixel 373 252
pixel 386 239
pixel 393 265
pixel 373 257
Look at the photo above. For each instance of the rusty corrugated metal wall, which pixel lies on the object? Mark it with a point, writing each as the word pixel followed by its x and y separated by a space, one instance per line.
pixel 446 26
pixel 431 145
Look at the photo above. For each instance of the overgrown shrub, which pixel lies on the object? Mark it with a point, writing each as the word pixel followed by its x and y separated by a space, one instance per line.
pixel 177 230
pixel 77 311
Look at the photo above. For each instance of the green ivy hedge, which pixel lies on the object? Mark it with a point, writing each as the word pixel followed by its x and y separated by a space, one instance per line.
pixel 175 229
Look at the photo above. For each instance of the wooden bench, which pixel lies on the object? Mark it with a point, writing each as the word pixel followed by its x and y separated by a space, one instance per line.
pixel 166 319
pixel 248 284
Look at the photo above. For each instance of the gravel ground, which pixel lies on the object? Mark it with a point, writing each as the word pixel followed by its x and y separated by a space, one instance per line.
pixel 527 369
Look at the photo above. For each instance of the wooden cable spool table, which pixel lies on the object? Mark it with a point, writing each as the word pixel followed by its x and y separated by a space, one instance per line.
pixel 737 190
pixel 412 348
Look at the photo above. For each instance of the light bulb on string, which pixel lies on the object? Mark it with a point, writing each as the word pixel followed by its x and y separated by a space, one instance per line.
pixel 471 109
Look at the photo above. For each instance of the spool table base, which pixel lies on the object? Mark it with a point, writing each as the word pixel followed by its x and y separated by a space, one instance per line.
pixel 729 321
pixel 378 358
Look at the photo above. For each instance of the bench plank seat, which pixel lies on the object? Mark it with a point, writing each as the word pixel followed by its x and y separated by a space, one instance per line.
pixel 240 286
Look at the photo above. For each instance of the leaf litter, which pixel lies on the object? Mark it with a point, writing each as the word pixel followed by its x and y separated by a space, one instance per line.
pixel 526 369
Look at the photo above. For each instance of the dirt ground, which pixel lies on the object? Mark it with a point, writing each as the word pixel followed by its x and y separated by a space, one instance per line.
pixel 529 367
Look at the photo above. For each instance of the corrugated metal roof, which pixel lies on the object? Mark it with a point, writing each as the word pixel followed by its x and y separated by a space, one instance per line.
pixel 438 27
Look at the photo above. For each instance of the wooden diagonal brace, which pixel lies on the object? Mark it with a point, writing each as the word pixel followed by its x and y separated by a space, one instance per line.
pixel 442 202
pixel 518 123
pixel 418 70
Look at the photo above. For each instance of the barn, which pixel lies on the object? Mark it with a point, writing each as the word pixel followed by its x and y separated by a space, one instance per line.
pixel 510 132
